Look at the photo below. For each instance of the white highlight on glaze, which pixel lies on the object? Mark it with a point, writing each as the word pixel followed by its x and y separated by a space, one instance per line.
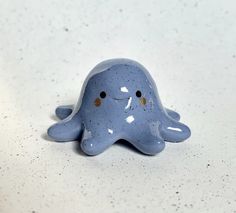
pixel 176 129
pixel 154 126
pixel 124 89
pixel 110 131
pixel 129 103
pixel 130 119
pixel 87 134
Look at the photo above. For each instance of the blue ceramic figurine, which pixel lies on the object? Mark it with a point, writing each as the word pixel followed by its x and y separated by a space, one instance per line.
pixel 119 100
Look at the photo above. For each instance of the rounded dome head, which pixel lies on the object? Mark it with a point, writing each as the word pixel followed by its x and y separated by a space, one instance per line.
pixel 118 79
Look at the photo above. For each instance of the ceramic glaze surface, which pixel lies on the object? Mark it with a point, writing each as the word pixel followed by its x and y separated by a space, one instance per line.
pixel 119 100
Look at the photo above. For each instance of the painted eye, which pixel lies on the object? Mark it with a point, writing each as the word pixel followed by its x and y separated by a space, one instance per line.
pixel 139 94
pixel 103 94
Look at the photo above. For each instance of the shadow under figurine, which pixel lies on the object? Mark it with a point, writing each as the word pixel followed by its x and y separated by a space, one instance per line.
pixel 119 100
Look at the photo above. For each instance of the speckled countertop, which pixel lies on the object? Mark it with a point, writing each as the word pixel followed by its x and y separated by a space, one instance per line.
pixel 47 48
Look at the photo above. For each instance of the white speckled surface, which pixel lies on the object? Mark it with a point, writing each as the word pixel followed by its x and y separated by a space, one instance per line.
pixel 47 48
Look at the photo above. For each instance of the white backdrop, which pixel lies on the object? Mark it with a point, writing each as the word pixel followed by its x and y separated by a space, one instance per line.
pixel 48 47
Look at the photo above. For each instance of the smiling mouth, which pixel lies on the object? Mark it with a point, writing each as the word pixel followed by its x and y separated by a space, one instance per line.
pixel 128 100
pixel 120 99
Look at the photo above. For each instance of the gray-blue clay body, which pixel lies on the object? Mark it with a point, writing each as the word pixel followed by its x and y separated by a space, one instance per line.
pixel 119 100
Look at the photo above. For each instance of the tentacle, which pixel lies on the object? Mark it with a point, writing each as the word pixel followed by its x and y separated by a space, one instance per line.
pixel 67 130
pixel 174 131
pixel 149 146
pixel 94 145
pixel 63 112
pixel 146 139
pixel 173 114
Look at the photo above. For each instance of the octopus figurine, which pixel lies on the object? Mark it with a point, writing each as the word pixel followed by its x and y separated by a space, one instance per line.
pixel 119 100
